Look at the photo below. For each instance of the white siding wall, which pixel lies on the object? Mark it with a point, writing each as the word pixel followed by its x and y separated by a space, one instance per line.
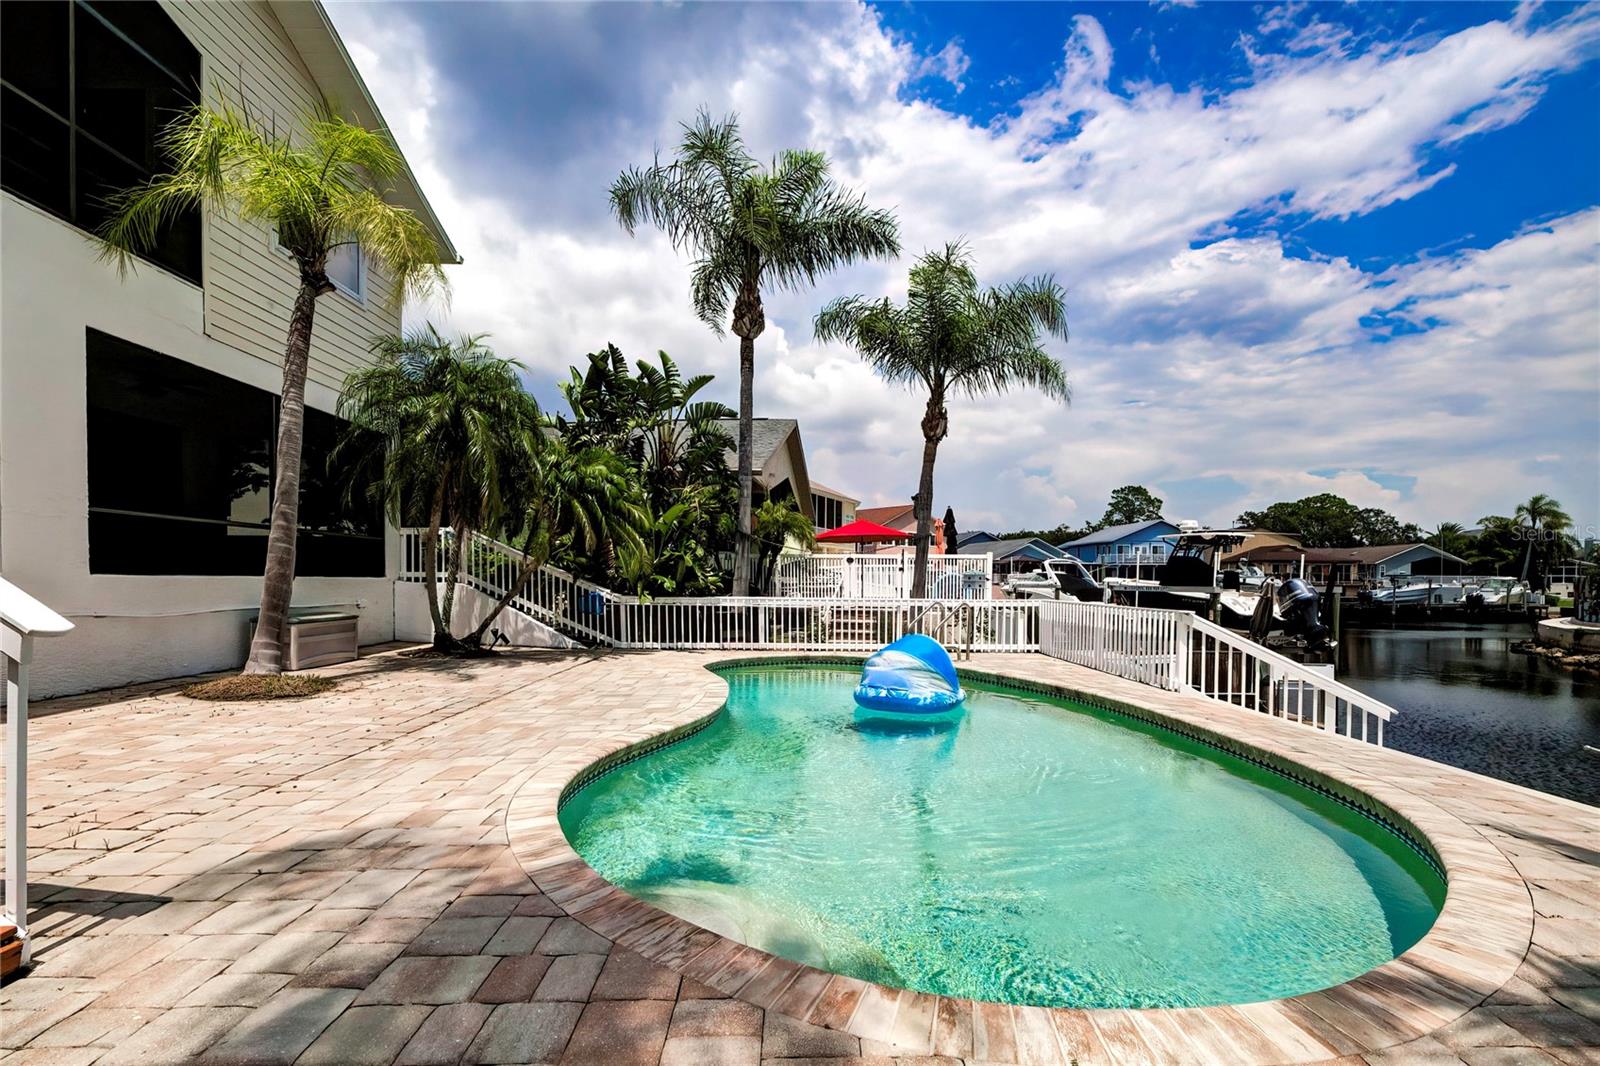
pixel 249 287
pixel 130 627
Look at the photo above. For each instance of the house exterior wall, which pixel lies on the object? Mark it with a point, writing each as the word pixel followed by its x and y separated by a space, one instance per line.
pixel 1142 544
pixel 249 286
pixel 52 289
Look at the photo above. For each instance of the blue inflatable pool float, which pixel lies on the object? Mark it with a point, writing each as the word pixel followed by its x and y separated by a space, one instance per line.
pixel 912 676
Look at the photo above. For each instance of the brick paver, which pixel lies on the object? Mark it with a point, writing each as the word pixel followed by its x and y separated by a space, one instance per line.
pixel 329 881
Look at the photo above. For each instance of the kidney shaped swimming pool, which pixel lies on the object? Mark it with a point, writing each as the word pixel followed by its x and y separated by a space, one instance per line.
pixel 1032 851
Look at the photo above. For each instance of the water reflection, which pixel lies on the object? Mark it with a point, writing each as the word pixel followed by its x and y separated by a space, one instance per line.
pixel 1467 699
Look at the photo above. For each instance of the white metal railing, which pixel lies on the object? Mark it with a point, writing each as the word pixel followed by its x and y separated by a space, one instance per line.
pixel 1139 643
pixel 589 611
pixel 1231 668
pixel 1172 650
pixel 886 576
pixel 22 618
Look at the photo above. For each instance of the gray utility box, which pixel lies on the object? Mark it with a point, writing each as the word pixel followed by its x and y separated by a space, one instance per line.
pixel 318 640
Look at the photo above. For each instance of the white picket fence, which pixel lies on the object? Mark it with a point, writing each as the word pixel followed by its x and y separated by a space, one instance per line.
pixel 1171 650
pixel 886 576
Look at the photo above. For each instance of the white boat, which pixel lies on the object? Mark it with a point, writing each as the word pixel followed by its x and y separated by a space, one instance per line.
pixel 1418 592
pixel 1498 593
pixel 1061 579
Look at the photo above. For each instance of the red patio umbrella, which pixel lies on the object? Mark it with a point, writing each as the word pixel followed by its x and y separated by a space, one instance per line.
pixel 863 532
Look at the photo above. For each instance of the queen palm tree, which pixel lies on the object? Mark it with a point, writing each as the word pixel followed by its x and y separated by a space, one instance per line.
pixel 564 498
pixel 446 428
pixel 320 192
pixel 952 337
pixel 751 229
pixel 1542 519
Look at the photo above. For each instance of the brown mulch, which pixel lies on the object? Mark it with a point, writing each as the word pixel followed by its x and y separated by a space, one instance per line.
pixel 260 687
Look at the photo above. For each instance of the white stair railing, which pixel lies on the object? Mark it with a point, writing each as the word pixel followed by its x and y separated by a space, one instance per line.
pixel 22 618
pixel 1231 668
pixel 1171 650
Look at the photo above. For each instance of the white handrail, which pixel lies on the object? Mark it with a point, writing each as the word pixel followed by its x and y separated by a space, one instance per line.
pixel 22 618
pixel 1231 668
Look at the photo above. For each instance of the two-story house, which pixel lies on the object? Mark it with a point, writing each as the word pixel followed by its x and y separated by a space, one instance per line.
pixel 1129 544
pixel 137 414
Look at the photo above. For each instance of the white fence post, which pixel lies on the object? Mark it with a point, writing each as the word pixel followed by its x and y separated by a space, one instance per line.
pixel 21 619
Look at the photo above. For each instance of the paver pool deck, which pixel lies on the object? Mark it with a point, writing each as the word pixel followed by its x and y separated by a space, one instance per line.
pixel 373 876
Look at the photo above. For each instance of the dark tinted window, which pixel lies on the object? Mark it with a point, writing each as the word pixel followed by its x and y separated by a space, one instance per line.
pixel 87 90
pixel 341 527
pixel 180 474
pixel 33 151
pixel 34 51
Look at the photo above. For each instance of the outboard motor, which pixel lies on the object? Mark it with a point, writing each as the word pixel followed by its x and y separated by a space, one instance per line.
pixel 1297 606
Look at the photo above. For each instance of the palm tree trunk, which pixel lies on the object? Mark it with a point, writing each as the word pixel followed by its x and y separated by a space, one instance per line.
pixel 452 575
pixel 747 375
pixel 748 321
pixel 430 561
pixel 935 424
pixel 277 582
pixel 525 569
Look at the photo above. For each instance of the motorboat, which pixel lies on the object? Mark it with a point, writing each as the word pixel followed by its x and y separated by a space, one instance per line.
pixel 1497 593
pixel 1194 576
pixel 1061 579
pixel 1416 592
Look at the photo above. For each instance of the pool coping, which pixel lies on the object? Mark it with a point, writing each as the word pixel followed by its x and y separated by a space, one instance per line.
pixel 1476 945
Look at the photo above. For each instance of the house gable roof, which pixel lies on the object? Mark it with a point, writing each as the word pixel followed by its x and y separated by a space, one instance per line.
pixel 313 36
pixel 887 516
pixel 1366 555
pixel 825 490
pixel 1112 534
pixel 769 436
pixel 1006 549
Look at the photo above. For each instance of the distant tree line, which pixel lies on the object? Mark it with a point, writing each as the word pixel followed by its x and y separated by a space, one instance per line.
pixel 1130 503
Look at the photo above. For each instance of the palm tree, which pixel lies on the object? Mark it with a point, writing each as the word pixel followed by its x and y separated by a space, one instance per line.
pixel 1450 537
pixel 1542 519
pixel 446 427
pixel 778 522
pixel 321 194
pixel 566 497
pixel 751 229
pixel 953 337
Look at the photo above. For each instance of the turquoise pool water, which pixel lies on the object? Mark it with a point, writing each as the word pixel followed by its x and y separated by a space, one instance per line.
pixel 1034 852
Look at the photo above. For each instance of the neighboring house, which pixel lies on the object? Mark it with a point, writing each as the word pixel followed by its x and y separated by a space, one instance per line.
pixel 904 518
pixel 1129 544
pixel 1356 566
pixel 1013 556
pixel 973 536
pixel 779 459
pixel 831 508
pixel 137 415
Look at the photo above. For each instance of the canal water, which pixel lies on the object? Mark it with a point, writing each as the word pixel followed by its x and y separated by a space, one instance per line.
pixel 1468 700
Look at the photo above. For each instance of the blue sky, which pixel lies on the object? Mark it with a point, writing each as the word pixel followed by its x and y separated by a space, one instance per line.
pixel 1347 248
